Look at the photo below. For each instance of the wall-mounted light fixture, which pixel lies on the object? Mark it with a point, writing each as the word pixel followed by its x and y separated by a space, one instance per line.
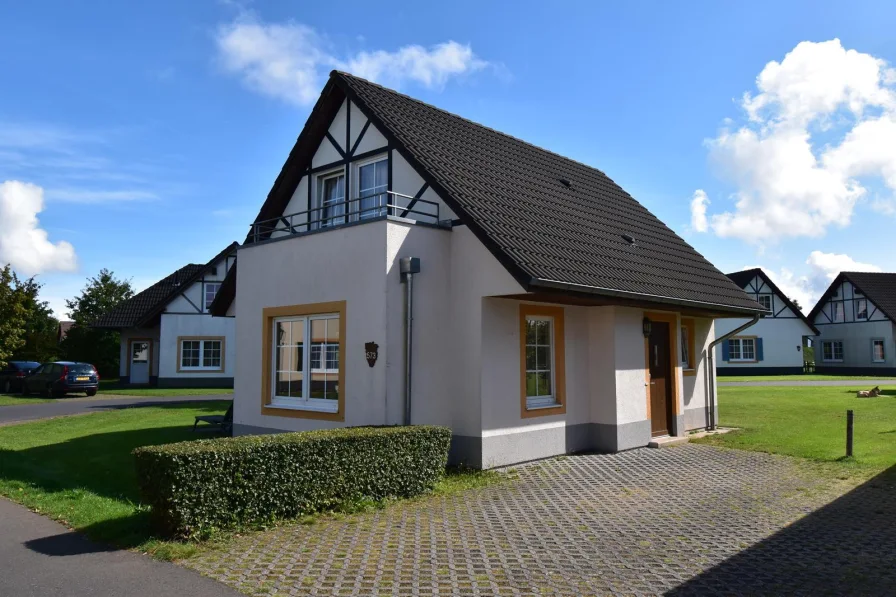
pixel 646 327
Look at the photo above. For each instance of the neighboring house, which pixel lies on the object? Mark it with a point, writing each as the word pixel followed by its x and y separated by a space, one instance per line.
pixel 774 345
pixel 855 318
pixel 62 330
pixel 168 336
pixel 551 312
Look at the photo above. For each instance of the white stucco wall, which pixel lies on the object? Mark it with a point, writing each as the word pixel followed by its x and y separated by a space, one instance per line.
pixel 856 338
pixel 124 355
pixel 782 341
pixel 174 326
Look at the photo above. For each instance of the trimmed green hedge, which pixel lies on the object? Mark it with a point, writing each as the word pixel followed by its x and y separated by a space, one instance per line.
pixel 197 487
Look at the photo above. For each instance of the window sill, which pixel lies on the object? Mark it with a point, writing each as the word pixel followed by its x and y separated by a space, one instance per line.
pixel 301 412
pixel 557 408
pixel 200 370
pixel 542 406
pixel 689 372
pixel 307 407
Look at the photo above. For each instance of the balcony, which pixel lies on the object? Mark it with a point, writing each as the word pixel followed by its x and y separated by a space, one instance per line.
pixel 339 214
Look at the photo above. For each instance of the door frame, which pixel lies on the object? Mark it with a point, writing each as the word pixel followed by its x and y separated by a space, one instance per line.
pixel 130 354
pixel 674 366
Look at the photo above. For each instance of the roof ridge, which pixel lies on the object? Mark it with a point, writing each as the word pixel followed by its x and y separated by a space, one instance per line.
pixel 473 122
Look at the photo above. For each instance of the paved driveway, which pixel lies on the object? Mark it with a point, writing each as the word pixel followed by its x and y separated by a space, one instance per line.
pixel 41 558
pixel 693 520
pixel 77 406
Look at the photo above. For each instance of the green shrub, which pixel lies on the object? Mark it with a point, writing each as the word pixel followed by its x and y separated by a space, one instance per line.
pixel 197 487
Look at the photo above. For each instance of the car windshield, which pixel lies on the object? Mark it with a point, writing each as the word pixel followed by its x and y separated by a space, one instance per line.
pixel 26 364
pixel 81 369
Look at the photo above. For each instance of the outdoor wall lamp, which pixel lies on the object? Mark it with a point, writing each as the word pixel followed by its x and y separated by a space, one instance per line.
pixel 646 327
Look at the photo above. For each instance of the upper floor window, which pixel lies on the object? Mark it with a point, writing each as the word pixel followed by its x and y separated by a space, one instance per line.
pixel 373 182
pixel 862 309
pixel 331 200
pixel 765 300
pixel 210 292
pixel 837 312
pixel 857 292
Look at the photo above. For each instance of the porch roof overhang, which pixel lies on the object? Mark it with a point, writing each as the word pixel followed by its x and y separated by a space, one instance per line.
pixel 552 291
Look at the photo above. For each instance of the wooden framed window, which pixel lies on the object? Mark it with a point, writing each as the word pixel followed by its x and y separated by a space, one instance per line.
pixel 200 354
pixel 688 348
pixel 303 356
pixel 542 361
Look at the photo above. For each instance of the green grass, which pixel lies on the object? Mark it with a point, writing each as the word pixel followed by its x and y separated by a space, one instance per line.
pixel 799 377
pixel 80 471
pixel 809 422
pixel 15 399
pixel 111 387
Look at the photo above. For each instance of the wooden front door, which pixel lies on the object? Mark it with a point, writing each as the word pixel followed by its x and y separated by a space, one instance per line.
pixel 660 379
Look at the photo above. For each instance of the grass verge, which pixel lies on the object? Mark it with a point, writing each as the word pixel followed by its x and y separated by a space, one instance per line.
pixel 809 422
pixel 799 377
pixel 112 387
pixel 13 400
pixel 80 471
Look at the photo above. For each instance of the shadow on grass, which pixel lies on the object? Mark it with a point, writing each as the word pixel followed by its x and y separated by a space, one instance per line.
pixel 844 548
pixel 191 402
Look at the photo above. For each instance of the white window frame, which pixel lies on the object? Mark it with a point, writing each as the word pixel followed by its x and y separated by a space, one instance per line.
pixel 833 358
pixel 202 348
pixel 379 209
pixel 536 402
pixel 771 301
pixel 740 343
pixel 205 286
pixel 318 214
pixel 685 349
pixel 306 402
pixel 837 308
pixel 863 301
pixel 883 350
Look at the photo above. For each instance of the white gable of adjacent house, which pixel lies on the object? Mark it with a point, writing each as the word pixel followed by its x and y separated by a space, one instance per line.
pixel 361 142
pixel 191 299
pixel 845 306
pixel 758 287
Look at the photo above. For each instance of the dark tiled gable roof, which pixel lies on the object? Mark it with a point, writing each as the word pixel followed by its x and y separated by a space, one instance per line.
pixel 140 309
pixel 745 277
pixel 879 288
pixel 132 311
pixel 546 234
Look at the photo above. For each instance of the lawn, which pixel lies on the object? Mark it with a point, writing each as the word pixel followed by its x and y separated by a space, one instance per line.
pixel 112 387
pixel 809 422
pixel 80 471
pixel 799 377
pixel 14 399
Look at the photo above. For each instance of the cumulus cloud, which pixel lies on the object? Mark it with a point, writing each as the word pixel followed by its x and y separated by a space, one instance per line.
pixel 289 61
pixel 820 127
pixel 698 211
pixel 23 244
pixel 822 269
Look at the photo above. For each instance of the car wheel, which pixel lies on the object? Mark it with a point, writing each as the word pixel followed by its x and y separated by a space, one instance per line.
pixel 24 389
pixel 91 392
pixel 49 393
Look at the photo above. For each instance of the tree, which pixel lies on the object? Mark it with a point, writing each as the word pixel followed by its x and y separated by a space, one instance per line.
pixel 40 339
pixel 13 314
pixel 97 346
pixel 796 304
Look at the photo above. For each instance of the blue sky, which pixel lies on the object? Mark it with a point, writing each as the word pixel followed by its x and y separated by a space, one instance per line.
pixel 143 136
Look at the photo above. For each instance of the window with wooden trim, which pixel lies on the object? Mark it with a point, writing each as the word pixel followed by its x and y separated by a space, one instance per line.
pixel 832 351
pixel 307 379
pixel 878 352
pixel 542 367
pixel 201 354
pixel 688 350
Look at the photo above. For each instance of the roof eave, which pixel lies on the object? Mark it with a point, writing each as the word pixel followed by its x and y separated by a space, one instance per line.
pixel 733 310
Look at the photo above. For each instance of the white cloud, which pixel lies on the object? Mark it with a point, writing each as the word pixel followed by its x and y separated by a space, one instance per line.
pixel 290 61
pixel 698 211
pixel 821 125
pixel 822 269
pixel 23 244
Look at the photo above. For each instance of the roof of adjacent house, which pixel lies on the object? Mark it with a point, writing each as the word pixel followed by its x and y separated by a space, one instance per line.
pixel 879 288
pixel 555 224
pixel 743 278
pixel 142 308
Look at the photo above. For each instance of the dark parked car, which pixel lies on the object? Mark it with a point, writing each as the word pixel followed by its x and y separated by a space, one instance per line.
pixel 13 373
pixel 61 378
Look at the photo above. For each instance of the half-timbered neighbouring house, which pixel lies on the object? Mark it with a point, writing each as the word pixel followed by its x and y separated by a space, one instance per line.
pixel 168 335
pixel 855 319
pixel 412 266
pixel 775 344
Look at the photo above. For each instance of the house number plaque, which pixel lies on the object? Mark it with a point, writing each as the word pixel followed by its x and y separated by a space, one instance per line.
pixel 371 352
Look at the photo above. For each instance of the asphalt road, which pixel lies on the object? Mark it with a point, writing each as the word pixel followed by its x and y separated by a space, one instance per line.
pixel 41 558
pixel 859 384
pixel 77 406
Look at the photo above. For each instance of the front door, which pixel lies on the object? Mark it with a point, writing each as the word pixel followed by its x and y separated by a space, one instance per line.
pixel 139 371
pixel 660 379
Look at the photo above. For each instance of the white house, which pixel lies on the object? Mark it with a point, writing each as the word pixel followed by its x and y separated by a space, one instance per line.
pixel 855 318
pixel 168 335
pixel 774 345
pixel 409 265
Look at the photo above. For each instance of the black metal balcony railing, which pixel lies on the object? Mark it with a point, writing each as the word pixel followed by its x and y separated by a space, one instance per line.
pixel 339 213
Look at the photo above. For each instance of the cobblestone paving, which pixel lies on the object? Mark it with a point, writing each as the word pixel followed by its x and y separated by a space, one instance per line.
pixel 687 520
